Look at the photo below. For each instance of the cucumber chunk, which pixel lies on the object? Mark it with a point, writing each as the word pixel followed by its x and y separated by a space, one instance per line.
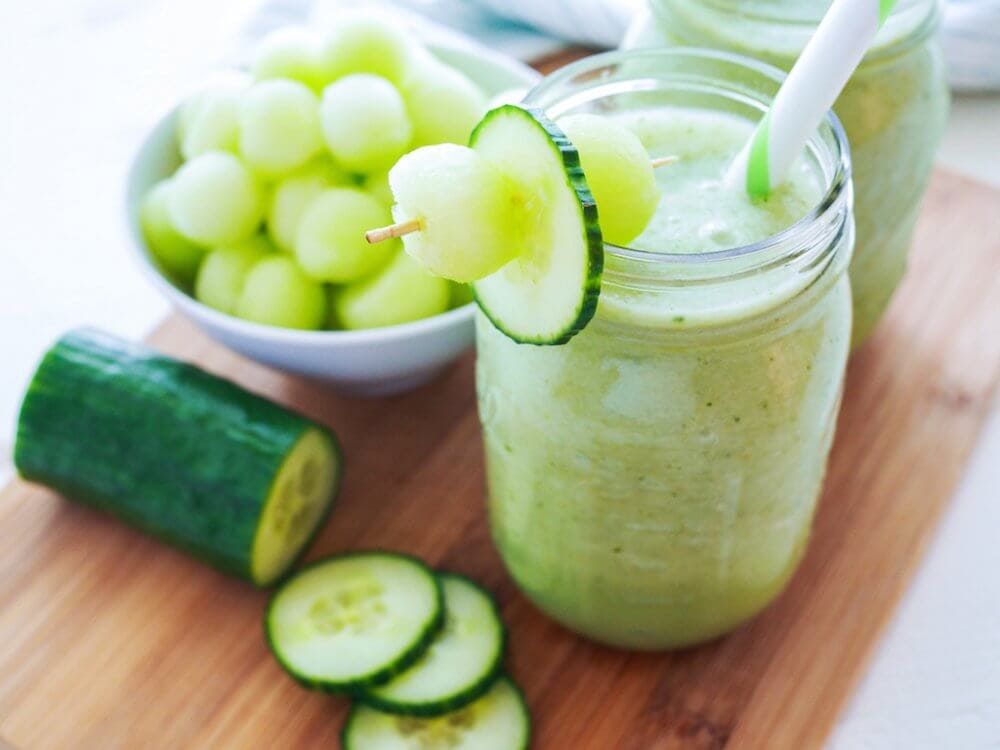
pixel 294 506
pixel 549 292
pixel 497 721
pixel 459 666
pixel 354 620
pixel 194 460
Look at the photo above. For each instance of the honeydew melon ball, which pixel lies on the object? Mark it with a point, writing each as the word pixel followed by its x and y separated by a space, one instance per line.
pixel 443 104
pixel 175 253
pixel 401 292
pixel 215 200
pixel 367 43
pixel 277 292
pixel 223 272
pixel 292 53
pixel 222 81
pixel 330 242
pixel 208 120
pixel 279 126
pixel 365 123
pixel 618 171
pixel 464 207
pixel 290 196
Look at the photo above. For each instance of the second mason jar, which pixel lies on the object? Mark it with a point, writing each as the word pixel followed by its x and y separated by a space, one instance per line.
pixel 652 483
pixel 894 109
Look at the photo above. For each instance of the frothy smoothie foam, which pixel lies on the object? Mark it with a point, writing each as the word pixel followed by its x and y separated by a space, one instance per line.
pixel 700 211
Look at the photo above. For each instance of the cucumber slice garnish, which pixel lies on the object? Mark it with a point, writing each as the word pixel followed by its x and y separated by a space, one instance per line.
pixel 354 620
pixel 460 665
pixel 497 721
pixel 549 292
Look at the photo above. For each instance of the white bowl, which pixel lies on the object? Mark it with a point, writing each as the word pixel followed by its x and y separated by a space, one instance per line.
pixel 372 362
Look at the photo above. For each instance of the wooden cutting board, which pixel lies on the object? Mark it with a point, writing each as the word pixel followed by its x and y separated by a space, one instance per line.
pixel 110 640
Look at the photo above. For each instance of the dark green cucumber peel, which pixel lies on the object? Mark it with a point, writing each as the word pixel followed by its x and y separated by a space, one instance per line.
pixel 593 239
pixel 525 713
pixel 166 447
pixel 346 730
pixel 404 661
pixel 460 699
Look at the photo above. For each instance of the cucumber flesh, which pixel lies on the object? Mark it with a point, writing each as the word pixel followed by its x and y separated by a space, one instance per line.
pixel 459 666
pixel 295 505
pixel 354 620
pixel 549 292
pixel 497 721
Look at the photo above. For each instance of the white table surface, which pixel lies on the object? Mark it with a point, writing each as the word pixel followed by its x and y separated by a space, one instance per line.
pixel 81 80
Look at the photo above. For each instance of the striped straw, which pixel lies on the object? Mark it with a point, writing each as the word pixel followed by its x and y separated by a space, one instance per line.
pixel 812 86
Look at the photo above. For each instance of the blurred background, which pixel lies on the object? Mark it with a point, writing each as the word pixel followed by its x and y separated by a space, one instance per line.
pixel 82 82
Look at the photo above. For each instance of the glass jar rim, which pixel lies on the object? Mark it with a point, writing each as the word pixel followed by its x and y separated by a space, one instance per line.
pixel 838 183
pixel 769 15
pixel 909 23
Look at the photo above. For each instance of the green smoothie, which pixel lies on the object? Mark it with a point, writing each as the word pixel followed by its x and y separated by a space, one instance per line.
pixel 652 482
pixel 894 110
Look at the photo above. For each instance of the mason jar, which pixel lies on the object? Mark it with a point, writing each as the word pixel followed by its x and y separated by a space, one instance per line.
pixel 651 483
pixel 894 109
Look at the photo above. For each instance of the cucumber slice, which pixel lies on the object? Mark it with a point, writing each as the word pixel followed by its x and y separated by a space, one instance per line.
pixel 354 620
pixel 497 721
pixel 461 664
pixel 549 292
pixel 194 460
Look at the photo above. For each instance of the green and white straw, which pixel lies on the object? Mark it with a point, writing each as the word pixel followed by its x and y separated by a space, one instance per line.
pixel 814 83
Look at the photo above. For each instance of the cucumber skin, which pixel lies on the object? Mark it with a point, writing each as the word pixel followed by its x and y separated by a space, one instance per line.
pixel 198 484
pixel 460 699
pixel 345 731
pixel 577 181
pixel 355 688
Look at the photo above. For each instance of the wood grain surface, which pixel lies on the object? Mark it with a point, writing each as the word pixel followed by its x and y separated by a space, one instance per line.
pixel 110 640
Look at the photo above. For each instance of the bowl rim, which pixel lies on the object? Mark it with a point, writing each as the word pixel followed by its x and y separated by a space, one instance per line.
pixel 135 189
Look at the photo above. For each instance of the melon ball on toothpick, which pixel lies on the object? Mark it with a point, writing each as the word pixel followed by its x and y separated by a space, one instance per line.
pixel 461 207
pixel 619 173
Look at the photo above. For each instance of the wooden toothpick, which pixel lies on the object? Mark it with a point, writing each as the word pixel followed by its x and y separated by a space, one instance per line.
pixel 662 161
pixel 374 236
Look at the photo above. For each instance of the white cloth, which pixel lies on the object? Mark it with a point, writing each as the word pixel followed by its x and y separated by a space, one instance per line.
pixel 972 44
pixel 455 19
pixel 600 23
pixel 970 33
